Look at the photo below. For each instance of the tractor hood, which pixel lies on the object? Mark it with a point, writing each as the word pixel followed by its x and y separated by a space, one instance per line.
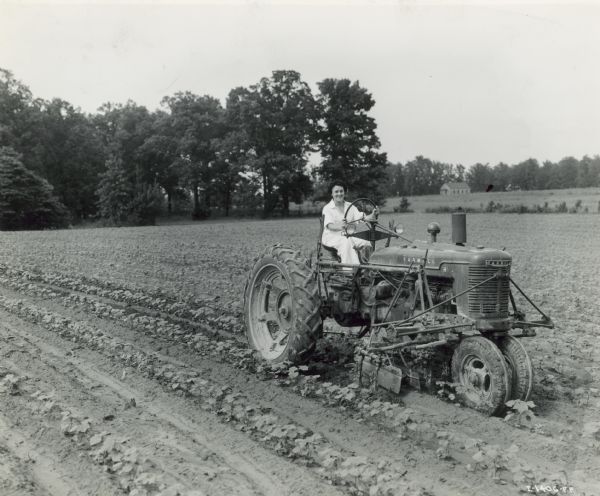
pixel 438 254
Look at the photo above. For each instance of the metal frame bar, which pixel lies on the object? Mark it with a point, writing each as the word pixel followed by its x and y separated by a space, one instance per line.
pixel 397 293
pixel 362 266
pixel 547 322
pixel 529 300
pixel 535 323
pixel 495 276
pixel 429 330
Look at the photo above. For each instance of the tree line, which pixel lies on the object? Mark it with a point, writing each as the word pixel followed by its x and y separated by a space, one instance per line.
pixel 193 154
pixel 423 176
pixel 254 155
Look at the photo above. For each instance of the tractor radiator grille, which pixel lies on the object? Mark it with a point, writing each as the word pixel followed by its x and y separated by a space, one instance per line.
pixel 491 297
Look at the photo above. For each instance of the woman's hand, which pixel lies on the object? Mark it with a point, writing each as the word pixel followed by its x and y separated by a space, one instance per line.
pixel 373 215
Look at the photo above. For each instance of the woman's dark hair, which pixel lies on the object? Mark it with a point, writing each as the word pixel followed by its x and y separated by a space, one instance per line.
pixel 333 184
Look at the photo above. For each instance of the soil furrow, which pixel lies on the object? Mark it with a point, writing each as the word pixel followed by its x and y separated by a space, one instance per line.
pixel 354 471
pixel 378 442
pixel 24 470
pixel 190 430
pixel 449 417
pixel 558 452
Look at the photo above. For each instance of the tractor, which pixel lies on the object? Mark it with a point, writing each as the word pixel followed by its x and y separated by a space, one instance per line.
pixel 422 312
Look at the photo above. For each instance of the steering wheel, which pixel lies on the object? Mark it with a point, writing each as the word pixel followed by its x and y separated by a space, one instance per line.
pixel 362 202
pixel 370 234
pixel 375 231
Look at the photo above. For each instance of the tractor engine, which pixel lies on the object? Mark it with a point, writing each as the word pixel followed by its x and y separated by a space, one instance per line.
pixel 380 299
pixel 450 270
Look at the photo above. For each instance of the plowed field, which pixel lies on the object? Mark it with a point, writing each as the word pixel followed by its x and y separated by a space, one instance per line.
pixel 124 370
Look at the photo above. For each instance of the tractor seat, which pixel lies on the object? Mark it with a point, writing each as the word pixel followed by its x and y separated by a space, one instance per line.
pixel 329 253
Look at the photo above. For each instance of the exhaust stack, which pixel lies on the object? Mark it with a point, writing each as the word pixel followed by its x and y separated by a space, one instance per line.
pixel 459 228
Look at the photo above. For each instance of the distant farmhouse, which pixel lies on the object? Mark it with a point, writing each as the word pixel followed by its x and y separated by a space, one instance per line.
pixel 455 189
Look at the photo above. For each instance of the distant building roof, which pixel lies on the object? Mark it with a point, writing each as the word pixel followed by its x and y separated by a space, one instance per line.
pixel 456 185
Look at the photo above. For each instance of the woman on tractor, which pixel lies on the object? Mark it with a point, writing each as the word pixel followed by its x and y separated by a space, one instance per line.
pixel 335 218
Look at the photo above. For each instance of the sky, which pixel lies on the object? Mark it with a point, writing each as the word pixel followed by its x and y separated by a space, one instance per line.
pixel 487 82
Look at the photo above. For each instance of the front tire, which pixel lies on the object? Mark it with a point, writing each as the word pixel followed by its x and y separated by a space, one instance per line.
pixel 282 306
pixel 520 364
pixel 481 374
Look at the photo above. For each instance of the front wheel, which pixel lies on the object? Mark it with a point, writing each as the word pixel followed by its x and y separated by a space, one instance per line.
pixel 281 306
pixel 481 375
pixel 520 364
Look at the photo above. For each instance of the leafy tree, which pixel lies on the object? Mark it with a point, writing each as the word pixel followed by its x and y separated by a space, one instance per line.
pixel 26 200
pixel 197 121
pixel 139 158
pixel 424 176
pixel 146 205
pixel 567 172
pixel 479 177
pixel 594 169
pixel 231 151
pixel 123 130
pixel 459 174
pixel 72 156
pixel 16 107
pixel 248 200
pixel 547 177
pixel 501 176
pixel 524 174
pixel 120 202
pixel 444 173
pixel 278 116
pixel 395 180
pixel 21 126
pixel 115 192
pixel 418 176
pixel 348 141
pixel 159 156
pixel 56 141
pixel 588 173
pixel 15 98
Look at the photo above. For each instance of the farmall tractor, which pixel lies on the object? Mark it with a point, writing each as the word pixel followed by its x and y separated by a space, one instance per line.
pixel 428 312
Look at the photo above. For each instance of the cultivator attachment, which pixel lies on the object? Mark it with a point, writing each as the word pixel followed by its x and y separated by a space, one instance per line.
pixel 373 372
pixel 488 367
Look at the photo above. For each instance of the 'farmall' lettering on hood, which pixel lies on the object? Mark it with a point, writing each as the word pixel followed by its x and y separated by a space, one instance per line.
pixel 418 260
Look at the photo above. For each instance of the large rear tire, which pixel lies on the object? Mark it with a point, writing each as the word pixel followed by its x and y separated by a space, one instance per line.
pixel 520 364
pixel 282 306
pixel 482 375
